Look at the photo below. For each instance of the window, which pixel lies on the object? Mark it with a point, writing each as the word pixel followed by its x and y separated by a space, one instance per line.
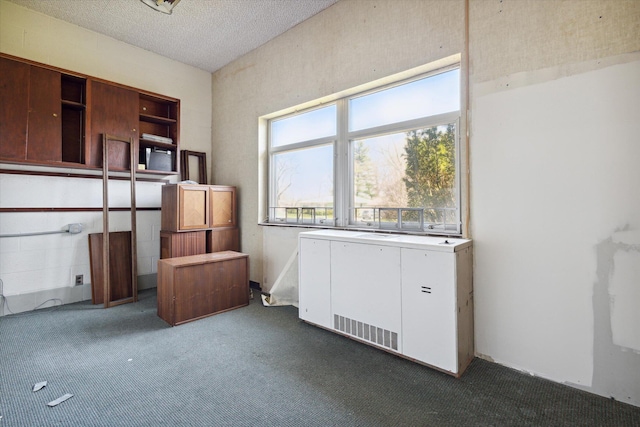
pixel 383 159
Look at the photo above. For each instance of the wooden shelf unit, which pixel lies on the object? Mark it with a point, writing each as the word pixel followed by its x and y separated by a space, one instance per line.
pixel 55 117
pixel 74 108
pixel 158 116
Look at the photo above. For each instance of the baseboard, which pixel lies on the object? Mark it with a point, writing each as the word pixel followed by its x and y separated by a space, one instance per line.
pixel 147 281
pixel 13 304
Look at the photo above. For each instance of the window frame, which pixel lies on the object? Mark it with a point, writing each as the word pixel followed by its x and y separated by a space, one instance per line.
pixel 433 121
pixel 296 146
pixel 343 175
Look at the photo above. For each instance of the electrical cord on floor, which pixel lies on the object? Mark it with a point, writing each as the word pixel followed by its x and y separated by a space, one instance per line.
pixel 4 303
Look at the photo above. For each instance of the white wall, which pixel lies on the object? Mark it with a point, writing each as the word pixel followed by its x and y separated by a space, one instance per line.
pixel 35 269
pixel 555 175
pixel 554 210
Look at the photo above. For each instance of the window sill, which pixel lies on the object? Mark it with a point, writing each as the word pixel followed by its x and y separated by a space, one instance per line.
pixel 442 233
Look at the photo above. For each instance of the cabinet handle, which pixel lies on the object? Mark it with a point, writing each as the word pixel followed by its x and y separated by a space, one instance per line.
pixel 133 130
pixel 55 115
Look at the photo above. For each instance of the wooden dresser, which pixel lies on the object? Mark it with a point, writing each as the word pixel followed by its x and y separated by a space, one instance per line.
pixel 197 286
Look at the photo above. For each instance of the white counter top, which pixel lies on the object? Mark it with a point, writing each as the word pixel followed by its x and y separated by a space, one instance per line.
pixel 434 243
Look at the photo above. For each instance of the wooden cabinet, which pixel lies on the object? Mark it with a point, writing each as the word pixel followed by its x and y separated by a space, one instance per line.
pixel 409 295
pixel 192 207
pixel 198 207
pixel 222 209
pixel 197 286
pixel 185 207
pixel 52 117
pixel 30 112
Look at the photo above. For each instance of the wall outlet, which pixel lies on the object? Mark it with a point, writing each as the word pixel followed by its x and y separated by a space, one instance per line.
pixel 79 280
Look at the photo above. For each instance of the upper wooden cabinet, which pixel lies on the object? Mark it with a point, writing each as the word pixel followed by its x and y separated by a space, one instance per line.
pixel 113 111
pixel 14 107
pixel 222 210
pixel 187 207
pixel 50 116
pixel 42 114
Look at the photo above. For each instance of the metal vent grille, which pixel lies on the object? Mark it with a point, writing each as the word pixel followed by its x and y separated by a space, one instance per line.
pixel 364 331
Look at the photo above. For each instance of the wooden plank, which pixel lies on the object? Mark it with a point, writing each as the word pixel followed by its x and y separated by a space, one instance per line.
pixel 119 266
pixel 108 299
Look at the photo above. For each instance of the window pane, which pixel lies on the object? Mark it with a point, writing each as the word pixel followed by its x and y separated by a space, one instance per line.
pixel 414 169
pixel 304 179
pixel 314 124
pixel 422 98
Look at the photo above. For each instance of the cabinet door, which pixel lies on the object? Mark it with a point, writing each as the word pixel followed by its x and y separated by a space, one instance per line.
pixel 193 210
pixel 114 110
pixel 429 308
pixel 314 289
pixel 223 239
pixel 14 104
pixel 223 206
pixel 45 113
pixel 203 289
pixel 365 290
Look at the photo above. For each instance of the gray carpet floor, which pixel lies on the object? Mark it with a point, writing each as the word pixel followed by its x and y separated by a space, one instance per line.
pixel 254 366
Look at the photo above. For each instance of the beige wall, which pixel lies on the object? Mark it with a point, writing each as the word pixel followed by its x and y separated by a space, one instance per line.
pixel 41 269
pixel 541 287
pixel 349 44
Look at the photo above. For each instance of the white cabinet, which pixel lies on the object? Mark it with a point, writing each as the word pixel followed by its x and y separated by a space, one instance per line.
pixel 315 270
pixel 429 307
pixel 410 295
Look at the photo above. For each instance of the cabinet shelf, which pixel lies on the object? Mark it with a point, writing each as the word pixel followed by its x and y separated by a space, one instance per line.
pixel 157 144
pixel 73 105
pixel 155 172
pixel 157 119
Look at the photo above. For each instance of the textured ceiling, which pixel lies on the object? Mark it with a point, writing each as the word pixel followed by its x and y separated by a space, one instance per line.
pixel 207 34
